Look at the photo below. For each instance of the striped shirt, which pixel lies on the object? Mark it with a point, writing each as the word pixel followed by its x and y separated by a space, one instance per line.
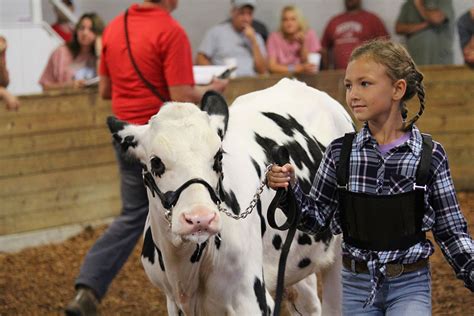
pixel 392 173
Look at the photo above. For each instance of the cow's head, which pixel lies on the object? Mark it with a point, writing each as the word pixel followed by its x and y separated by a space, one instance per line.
pixel 180 150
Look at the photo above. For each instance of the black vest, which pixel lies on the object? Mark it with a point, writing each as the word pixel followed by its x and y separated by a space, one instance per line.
pixel 382 222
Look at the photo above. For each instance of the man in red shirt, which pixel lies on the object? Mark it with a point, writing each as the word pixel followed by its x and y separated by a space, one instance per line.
pixel 346 31
pixel 162 53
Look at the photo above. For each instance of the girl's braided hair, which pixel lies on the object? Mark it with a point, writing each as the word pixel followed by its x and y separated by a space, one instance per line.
pixel 399 65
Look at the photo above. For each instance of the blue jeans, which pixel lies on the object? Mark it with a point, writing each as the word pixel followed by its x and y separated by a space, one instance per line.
pixel 109 253
pixel 407 294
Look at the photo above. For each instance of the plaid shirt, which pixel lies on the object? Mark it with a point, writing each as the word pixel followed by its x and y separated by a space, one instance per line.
pixel 394 173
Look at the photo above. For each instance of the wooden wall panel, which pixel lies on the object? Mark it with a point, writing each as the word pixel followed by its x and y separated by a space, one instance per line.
pixel 57 165
pixel 56 180
pixel 37 143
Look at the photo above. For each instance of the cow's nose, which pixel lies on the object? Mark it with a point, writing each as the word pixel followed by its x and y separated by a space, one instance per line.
pixel 199 219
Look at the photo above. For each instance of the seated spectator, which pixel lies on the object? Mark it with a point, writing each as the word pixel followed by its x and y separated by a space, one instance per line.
pixel 63 26
pixel 70 65
pixel 288 48
pixel 348 30
pixel 11 101
pixel 428 26
pixel 235 42
pixel 466 36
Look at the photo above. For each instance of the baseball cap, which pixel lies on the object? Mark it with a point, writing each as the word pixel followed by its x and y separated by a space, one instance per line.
pixel 243 3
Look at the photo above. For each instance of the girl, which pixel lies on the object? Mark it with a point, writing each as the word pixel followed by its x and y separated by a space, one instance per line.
pixel 383 190
pixel 70 65
pixel 289 48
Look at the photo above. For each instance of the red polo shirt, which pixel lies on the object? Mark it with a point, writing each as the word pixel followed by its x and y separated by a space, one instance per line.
pixel 162 52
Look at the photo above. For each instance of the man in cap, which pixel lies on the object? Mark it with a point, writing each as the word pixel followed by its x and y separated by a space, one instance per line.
pixel 235 40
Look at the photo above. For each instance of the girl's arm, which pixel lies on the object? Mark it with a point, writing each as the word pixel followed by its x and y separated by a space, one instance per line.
pixel 450 227
pixel 319 207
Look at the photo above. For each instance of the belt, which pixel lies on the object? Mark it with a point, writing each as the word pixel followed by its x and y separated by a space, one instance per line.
pixel 393 269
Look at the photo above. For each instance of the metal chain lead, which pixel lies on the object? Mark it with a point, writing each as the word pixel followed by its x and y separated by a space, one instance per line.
pixel 252 204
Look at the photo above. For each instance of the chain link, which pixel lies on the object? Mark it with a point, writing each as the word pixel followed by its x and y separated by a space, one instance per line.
pixel 252 204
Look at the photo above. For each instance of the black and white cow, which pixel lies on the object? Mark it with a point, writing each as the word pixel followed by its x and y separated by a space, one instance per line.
pixel 206 262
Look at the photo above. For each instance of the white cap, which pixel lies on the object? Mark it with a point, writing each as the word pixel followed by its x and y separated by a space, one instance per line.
pixel 243 3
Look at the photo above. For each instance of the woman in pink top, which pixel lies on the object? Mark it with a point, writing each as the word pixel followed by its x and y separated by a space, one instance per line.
pixel 71 64
pixel 289 48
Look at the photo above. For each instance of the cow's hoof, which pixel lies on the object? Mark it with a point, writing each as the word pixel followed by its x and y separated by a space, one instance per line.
pixel 84 304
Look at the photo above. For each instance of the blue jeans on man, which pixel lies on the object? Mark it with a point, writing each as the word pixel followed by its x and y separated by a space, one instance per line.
pixel 110 252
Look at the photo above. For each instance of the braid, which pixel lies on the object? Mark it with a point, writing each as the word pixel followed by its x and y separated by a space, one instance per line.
pixel 420 91
pixel 404 112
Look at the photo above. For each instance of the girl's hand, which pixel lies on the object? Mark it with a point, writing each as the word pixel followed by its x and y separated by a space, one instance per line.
pixel 281 177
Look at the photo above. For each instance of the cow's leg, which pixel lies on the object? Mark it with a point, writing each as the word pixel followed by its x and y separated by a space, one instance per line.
pixel 332 282
pixel 302 297
pixel 173 309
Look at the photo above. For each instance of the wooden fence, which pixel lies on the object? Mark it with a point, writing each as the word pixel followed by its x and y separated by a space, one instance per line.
pixel 57 166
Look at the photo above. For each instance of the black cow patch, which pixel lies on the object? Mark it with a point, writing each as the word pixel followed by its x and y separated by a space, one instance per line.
pixel 304 239
pixel 160 259
pixel 217 241
pixel 311 159
pixel 263 225
pixel 229 199
pixel 198 252
pixel 217 166
pixel 259 289
pixel 214 104
pixel 304 263
pixel 128 141
pixel 257 167
pixel 157 166
pixel 267 145
pixel 325 236
pixel 148 250
pixel 276 241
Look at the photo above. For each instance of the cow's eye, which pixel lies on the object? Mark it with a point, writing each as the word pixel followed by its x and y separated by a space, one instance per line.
pixel 218 161
pixel 157 166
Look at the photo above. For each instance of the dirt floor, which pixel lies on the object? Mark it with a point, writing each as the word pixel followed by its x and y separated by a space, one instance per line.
pixel 39 281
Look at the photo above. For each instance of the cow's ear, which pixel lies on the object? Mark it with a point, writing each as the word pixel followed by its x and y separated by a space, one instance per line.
pixel 215 105
pixel 129 136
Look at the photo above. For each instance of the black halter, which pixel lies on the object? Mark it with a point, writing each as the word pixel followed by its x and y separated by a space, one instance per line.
pixel 170 198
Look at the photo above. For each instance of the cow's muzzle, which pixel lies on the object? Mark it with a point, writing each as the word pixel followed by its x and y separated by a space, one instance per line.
pixel 170 198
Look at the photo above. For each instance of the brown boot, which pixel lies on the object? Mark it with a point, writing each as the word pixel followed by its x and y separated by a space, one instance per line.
pixel 84 303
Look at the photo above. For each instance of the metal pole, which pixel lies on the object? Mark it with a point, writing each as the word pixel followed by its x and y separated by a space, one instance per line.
pixel 36 11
